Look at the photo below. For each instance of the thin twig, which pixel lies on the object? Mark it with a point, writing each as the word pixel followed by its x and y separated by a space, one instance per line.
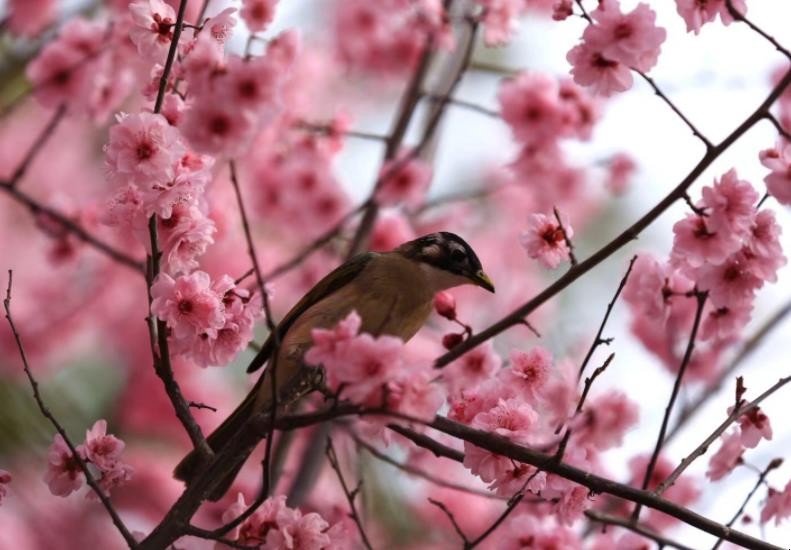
pixel 599 340
pixel 36 209
pixel 738 16
pixel 719 430
pixel 199 405
pixel 327 130
pixel 270 323
pixel 627 523
pixel 747 348
pixel 566 238
pixel 116 519
pixel 660 440
pixel 453 522
pixel 631 233
pixel 332 458
pixel 470 106
pixel 37 145
pixel 779 127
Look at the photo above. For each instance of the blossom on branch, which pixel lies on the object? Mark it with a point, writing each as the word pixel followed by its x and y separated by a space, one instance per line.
pixel 545 239
pixel 5 480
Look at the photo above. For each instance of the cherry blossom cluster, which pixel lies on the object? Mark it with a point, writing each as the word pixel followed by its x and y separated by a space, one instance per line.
pixel 753 426
pixel 100 449
pixel 209 321
pixel 274 526
pixel 88 68
pixel 613 44
pixel 526 402
pixel 727 249
pixel 371 371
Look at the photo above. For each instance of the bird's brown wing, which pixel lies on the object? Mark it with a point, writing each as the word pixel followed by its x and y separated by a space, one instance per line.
pixel 336 279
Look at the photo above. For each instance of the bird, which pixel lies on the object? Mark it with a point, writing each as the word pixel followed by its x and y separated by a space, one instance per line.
pixel 393 294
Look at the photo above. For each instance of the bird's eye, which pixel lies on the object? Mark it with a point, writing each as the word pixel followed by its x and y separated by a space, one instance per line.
pixel 457 255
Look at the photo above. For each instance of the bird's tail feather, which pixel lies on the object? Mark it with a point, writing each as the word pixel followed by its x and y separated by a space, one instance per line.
pixel 187 469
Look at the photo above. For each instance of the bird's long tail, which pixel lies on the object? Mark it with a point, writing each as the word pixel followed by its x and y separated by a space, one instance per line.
pixel 188 467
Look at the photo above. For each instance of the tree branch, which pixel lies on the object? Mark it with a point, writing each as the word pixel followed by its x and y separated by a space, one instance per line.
pixel 332 458
pixel 631 233
pixel 108 506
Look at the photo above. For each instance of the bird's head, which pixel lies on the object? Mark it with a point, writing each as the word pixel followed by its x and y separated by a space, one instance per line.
pixel 449 258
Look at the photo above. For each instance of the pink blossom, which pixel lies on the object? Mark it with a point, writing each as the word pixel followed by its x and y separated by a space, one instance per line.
pixel 101 449
pixel 499 20
pixel 472 368
pixel 695 243
pixel 299 532
pixel 115 476
pixel 256 528
pixel 391 229
pixel 730 204
pixel 30 17
pixel 778 505
pixel 572 504
pixel 579 111
pixel 778 181
pixel 530 370
pixel 152 32
pixel 143 148
pixel 620 171
pixel 724 323
pixel 184 236
pixel 730 284
pixel 605 420
pixel 250 84
pixel 58 74
pixel 753 426
pixel 697 13
pixel 215 127
pixel 445 305
pixel 632 39
pixel 188 305
pixel 404 179
pixel 562 9
pixel 544 239
pixel 328 343
pixel 413 393
pixel 590 68
pixel 726 458
pixel 512 419
pixel 64 475
pixel 762 249
pixel 5 480
pixel 257 14
pixel 530 105
pixel 221 26
pixel 359 365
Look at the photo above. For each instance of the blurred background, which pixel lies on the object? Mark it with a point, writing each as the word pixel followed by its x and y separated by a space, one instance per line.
pixel 81 317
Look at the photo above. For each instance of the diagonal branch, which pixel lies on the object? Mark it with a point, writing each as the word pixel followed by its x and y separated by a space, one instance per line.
pixel 660 440
pixel 628 235
pixel 718 431
pixel 332 458
pixel 116 519
pixel 37 145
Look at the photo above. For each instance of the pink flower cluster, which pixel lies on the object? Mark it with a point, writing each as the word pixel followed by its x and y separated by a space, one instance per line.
pixel 100 449
pixel 753 426
pixel 371 370
pixel 697 13
pixel 78 69
pixel 613 44
pixel 387 36
pixel 545 239
pixel 5 480
pixel 275 526
pixel 209 322
pixel 525 403
pixel 778 505
pixel 404 180
pixel 728 250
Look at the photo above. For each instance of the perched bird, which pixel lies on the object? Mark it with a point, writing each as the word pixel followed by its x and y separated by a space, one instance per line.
pixel 392 292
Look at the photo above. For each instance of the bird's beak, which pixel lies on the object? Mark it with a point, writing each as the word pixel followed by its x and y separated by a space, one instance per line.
pixel 482 280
